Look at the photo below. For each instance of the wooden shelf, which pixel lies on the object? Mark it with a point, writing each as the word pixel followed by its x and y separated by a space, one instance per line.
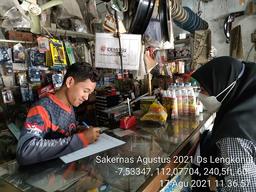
pixel 182 41
pixel 56 31
pixel 14 41
pixel 69 33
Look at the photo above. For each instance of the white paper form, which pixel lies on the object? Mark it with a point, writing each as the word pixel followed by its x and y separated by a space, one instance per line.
pixel 104 142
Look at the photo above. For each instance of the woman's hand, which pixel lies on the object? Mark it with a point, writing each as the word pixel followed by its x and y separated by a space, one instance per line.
pixel 150 62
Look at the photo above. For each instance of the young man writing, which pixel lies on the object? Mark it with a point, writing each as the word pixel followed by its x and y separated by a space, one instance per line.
pixel 50 129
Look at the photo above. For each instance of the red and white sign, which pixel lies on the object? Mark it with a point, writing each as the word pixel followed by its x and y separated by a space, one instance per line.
pixel 107 51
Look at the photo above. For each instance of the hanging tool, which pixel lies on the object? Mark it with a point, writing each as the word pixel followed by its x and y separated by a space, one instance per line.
pixel 228 23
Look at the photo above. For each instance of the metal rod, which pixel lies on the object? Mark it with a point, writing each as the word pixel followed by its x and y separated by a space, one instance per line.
pixel 120 47
pixel 122 104
pixel 129 107
pixel 135 100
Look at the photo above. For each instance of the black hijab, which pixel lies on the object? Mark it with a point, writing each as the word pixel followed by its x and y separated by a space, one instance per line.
pixel 237 115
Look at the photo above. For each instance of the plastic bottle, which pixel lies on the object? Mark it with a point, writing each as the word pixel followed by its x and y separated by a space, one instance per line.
pixel 185 103
pixel 169 101
pixel 174 107
pixel 179 101
pixel 164 100
pixel 191 100
pixel 176 131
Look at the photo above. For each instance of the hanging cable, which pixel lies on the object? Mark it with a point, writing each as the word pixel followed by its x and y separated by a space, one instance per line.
pixel 249 53
pixel 199 11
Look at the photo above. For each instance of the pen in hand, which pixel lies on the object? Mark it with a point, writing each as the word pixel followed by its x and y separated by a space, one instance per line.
pixel 85 124
pixel 91 133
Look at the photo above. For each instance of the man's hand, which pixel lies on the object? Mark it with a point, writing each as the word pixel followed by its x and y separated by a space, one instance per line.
pixel 92 134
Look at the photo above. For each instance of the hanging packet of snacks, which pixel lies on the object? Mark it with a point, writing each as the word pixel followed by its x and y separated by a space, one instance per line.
pixel 57 80
pixel 70 52
pixel 7 96
pixel 8 68
pixel 181 67
pixel 1 80
pixel 21 78
pixel 7 65
pixel 57 51
pixel 36 58
pixel 43 44
pixel 26 93
pixel 4 56
pixel 48 59
pixel 89 56
pixel 34 74
pixel 10 55
pixel 19 55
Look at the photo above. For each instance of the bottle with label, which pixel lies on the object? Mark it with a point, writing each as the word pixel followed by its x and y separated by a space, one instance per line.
pixel 165 101
pixel 191 100
pixel 174 108
pixel 185 101
pixel 179 101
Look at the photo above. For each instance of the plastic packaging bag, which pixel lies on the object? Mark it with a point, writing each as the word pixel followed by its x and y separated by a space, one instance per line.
pixel 14 19
pixel 57 80
pixel 19 54
pixel 36 58
pixel 156 113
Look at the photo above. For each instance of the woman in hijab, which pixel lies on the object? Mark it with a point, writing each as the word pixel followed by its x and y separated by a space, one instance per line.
pixel 228 87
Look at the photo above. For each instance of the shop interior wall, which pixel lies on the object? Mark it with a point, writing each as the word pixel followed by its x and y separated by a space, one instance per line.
pixel 215 12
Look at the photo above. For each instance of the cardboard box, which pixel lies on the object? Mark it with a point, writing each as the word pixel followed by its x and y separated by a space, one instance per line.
pixel 20 36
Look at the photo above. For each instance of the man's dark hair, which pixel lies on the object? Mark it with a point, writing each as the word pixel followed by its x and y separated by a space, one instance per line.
pixel 81 72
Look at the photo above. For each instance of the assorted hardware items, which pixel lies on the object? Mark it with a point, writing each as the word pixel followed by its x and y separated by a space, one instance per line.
pixel 32 71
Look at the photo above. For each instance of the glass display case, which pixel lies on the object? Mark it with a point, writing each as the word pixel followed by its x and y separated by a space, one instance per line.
pixel 138 165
